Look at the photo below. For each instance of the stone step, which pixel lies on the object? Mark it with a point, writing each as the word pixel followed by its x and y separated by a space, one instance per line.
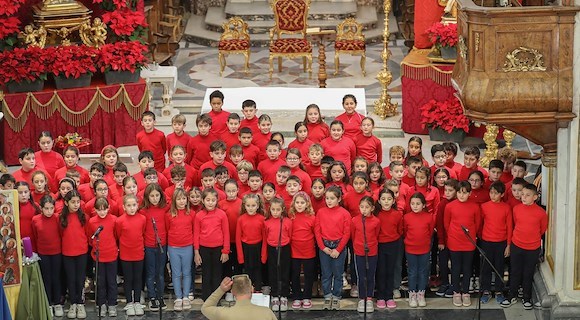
pixel 319 10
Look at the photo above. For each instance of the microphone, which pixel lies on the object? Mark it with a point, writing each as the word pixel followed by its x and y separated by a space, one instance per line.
pixel 154 224
pixel 464 229
pixel 97 232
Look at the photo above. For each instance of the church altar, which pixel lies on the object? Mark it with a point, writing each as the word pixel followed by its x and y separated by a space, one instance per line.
pixel 106 114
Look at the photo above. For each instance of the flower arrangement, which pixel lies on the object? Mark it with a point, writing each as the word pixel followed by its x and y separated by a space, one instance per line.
pixel 124 19
pixel 72 139
pixel 447 115
pixel 443 35
pixel 73 61
pixel 122 56
pixel 9 24
pixel 24 64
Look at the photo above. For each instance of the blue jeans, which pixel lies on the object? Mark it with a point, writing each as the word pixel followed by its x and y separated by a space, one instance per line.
pixel 418 270
pixel 181 259
pixel 154 271
pixel 332 274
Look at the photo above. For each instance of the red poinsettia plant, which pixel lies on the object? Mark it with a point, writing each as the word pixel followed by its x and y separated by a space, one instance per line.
pixel 443 35
pixel 125 19
pixel 122 56
pixel 73 61
pixel 9 25
pixel 447 115
pixel 24 65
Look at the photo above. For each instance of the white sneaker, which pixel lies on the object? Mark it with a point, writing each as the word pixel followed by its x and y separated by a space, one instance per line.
pixel 142 298
pixel 275 304
pixel 421 299
pixel 81 312
pixel 413 299
pixel 103 310
pixel 191 297
pixel 370 306
pixel 178 305
pixel 361 306
pixel 72 312
pixel 354 291
pixel 284 304
pixel 396 294
pixel 130 309
pixel 112 311
pixel 138 309
pixel 58 311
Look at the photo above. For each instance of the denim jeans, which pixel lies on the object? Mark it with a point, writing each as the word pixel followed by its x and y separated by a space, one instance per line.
pixel 154 271
pixel 181 259
pixel 332 274
pixel 418 270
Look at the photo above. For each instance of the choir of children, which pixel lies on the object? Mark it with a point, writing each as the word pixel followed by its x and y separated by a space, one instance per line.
pixel 325 198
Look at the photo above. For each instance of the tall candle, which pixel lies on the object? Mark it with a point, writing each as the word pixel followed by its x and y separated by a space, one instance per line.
pixel 27 246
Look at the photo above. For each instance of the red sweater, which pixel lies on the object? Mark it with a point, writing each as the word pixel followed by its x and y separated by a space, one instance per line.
pixel 272 234
pixel 26 176
pixel 302 147
pixel 86 191
pixel 464 173
pixel 268 168
pixel 251 154
pixel 304 178
pixel 46 235
pixel 89 207
pixel 230 139
pixel 479 196
pixel 252 124
pixel 452 174
pixel 175 140
pixel 457 214
pixel 313 171
pixel 180 229
pixel 351 201
pixel 346 188
pixel 317 131
pixel 198 150
pixel 219 122
pixel 191 177
pixel 401 199
pixel 130 232
pixel 232 209
pixel 318 204
pixel 351 123
pixel 369 147
pixel 74 237
pixel 303 243
pixel 530 223
pixel 155 142
pixel 418 228
pixel 159 214
pixel 26 213
pixel 431 194
pixel 108 249
pixel 332 224
pixel 391 225
pixel 142 184
pixel 506 177
pixel 249 230
pixel 440 222
pixel 372 229
pixel 231 168
pixel 497 222
pixel 342 150
pixel 410 181
pixel 61 173
pixel 49 161
pixel 454 166
pixel 260 140
pixel 36 197
pixel 212 230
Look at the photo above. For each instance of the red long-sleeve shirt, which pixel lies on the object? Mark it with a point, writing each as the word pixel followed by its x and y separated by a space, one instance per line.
pixel 49 161
pixel 391 225
pixel 142 184
pixel 304 178
pixel 191 175
pixel 159 214
pixel 351 123
pixel 464 172
pixel 303 245
pixel 302 147
pixel 251 154
pixel 351 201
pixel 346 188
pixel 454 166
pixel 268 168
pixel 313 171
pixel 440 222
pixel 369 147
pixel 173 140
pixel 212 165
pixel 26 213
pixel 89 207
pixel 249 230
pixel 452 174
pixel 372 229
pixel 260 140
pixel 198 150
pixel 74 238
pixel 457 214
pixel 46 235
pixel 410 181
pixel 272 234
pixel 180 229
pixel 332 224
pixel 250 123
pixel 36 197
pixel 317 131
pixel 108 249
pixel 26 176
pixel 86 191
pixel 219 122
pixel 530 223
pixel 342 150
pixel 212 230
pixel 130 230
pixel 61 173
pixel 479 196
pixel 431 194
pixel 318 204
pixel 418 228
pixel 496 222
pixel 232 209
pixel 155 142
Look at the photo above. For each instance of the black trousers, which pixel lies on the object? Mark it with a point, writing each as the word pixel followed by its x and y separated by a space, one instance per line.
pixel 461 263
pixel 434 253
pixel 50 267
pixel 253 263
pixel 133 275
pixel 232 266
pixel 494 252
pixel 211 270
pixel 284 289
pixel 523 267
pixel 444 266
pixel 107 285
pixel 388 253
pixel 309 266
pixel 75 268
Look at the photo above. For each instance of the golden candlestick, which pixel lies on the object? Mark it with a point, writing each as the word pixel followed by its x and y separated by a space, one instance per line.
pixel 384 107
pixel 491 145
pixel 508 136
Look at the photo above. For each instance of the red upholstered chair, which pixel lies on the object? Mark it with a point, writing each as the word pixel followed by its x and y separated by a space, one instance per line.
pixel 234 40
pixel 290 19
pixel 350 40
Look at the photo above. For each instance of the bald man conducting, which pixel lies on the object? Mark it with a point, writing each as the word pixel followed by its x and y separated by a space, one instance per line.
pixel 241 287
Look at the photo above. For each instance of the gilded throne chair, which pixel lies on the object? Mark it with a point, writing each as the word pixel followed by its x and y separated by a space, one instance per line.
pixel 349 40
pixel 234 40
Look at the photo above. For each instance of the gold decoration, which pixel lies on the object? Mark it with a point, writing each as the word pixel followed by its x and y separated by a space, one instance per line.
pixel 72 117
pixel 34 37
pixel 491 146
pixel 384 107
pixel 462 47
pixel 350 31
pixel 508 136
pixel 549 159
pixel 524 59
pixel 477 40
pixel 93 35
pixel 235 30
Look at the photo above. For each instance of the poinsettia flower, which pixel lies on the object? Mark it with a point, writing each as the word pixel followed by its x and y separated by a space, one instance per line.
pixel 10 7
pixel 447 115
pixel 123 22
pixel 9 26
pixel 74 61
pixel 122 55
pixel 443 34
pixel 24 64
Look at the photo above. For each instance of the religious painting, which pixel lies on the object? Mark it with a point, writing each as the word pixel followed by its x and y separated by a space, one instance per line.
pixel 10 252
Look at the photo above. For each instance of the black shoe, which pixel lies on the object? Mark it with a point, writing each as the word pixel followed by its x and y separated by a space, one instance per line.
pixel 153 305
pixel 162 304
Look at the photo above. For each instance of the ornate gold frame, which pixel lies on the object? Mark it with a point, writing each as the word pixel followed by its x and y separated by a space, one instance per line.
pixel 350 30
pixel 235 28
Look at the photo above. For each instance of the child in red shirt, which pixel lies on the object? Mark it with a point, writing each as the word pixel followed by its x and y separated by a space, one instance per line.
pixel 194 199
pixel 64 186
pixel 418 229
pixel 440 176
pixel 339 145
pixel 71 160
pixel 27 160
pixel 153 140
pixel 302 143
pixel 517 186
pixel 317 191
pixel 249 234
pixel 40 189
pixel 364 232
pixel 249 110
pixel 101 191
pixel 217 152
pixel 313 164
pixel 178 160
pixel 264 134
pixel 415 149
pixel 317 128
pixel 479 194
pixel 449 194
pixel 108 253
pixel 231 135
pixel 130 229
pixel 303 248
pixel 451 153
pixel 360 185
pixel 294 162
pixel 268 194
pixel 178 137
pixel 218 116
pixel 431 193
pixel 471 163
pixel 46 158
pixel 360 164
pixel 268 167
pixel 198 146
pixel 350 118
pixel 109 158
pixel 376 178
pixel 337 176
pixel 367 145
pixel 97 171
pixel 232 205
pixel 250 150
pixel 236 155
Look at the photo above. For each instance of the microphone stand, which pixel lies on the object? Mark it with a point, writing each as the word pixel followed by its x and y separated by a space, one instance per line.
pixel 482 254
pixel 97 276
pixel 160 252
pixel 366 248
pixel 278 271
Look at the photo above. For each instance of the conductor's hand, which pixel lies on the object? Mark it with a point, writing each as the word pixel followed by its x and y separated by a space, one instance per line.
pixel 226 284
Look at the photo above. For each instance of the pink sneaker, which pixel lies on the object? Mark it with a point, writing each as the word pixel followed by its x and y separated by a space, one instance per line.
pixel 297 304
pixel 381 304
pixel 391 304
pixel 306 304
